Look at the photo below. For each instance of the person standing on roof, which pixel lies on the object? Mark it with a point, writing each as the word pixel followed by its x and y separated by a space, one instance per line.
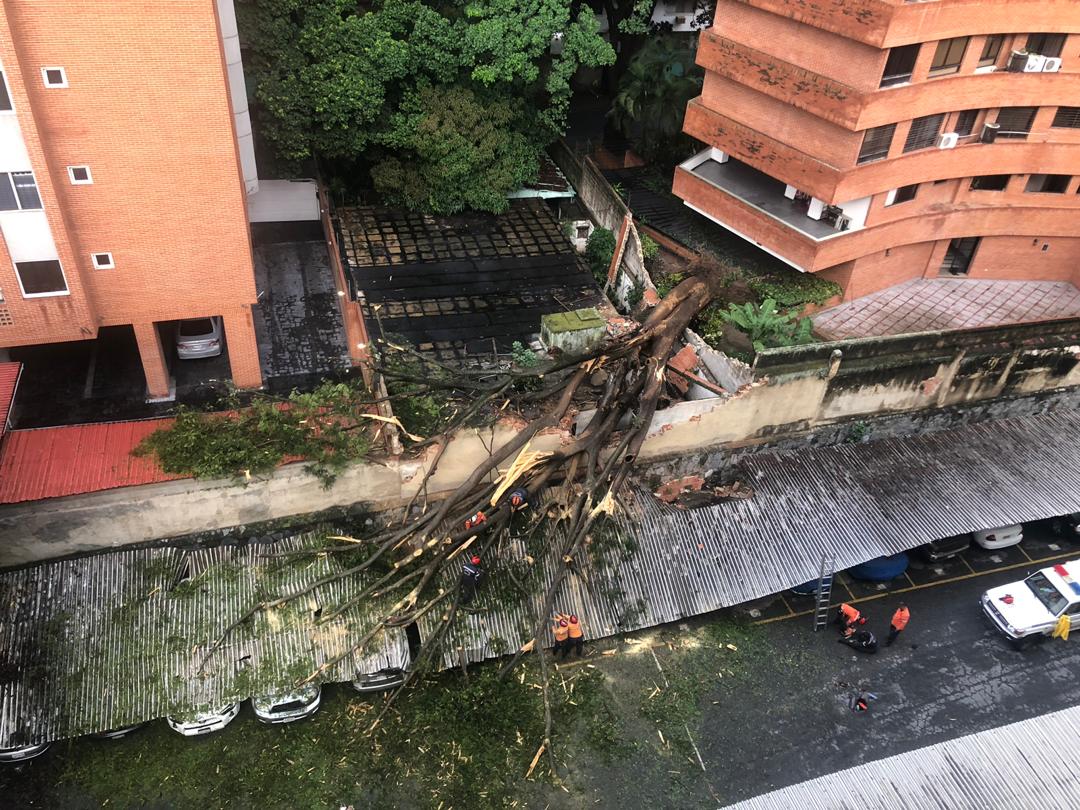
pixel 561 631
pixel 848 617
pixel 898 623
pixel 475 521
pixel 471 574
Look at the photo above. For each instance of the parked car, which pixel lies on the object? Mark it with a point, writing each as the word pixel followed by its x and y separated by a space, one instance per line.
pixel 199 337
pixel 204 722
pixel 807 588
pixel 945 548
pixel 22 753
pixel 118 733
pixel 1030 608
pixel 1001 537
pixel 1066 525
pixel 385 678
pixel 881 569
pixel 288 706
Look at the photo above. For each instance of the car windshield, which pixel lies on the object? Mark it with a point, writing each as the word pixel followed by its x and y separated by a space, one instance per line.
pixel 1045 592
pixel 195 328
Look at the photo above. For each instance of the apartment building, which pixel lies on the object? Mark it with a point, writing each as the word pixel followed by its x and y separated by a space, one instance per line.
pixel 877 141
pixel 125 161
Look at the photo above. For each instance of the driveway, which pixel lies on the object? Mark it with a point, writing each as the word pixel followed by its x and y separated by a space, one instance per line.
pixel 930 305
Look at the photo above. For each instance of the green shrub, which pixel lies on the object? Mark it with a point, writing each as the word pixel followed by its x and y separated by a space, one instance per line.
pixel 666 284
pixel 767 327
pixel 649 249
pixel 598 252
pixel 794 289
pixel 523 355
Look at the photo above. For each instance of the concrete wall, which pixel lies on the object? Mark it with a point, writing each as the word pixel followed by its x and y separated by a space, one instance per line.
pixel 797 391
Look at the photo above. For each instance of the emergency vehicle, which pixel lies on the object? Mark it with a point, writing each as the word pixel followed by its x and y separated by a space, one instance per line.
pixel 1032 607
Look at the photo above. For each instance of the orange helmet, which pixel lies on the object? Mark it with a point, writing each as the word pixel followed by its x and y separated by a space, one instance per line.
pixel 475 560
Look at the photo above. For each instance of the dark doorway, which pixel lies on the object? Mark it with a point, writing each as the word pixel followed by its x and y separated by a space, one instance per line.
pixel 959 255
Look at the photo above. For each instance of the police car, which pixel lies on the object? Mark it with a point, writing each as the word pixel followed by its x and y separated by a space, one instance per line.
pixel 1031 608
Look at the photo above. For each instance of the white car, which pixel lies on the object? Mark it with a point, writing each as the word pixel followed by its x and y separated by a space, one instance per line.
pixel 204 722
pixel 1031 608
pixel 386 678
pixel 288 707
pixel 22 753
pixel 1002 537
pixel 118 733
pixel 199 337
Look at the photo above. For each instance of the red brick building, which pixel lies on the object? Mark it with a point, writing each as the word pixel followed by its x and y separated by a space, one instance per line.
pixel 125 162
pixel 876 141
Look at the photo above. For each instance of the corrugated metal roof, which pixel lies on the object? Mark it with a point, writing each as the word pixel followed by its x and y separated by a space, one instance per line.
pixel 99 642
pixel 858 501
pixel 9 381
pixel 70 460
pixel 1030 764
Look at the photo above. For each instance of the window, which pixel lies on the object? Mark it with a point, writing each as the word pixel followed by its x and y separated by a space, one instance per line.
pixel 876 142
pixel 1045 44
pixel 5 96
pixel 991 50
pixel 18 191
pixel 54 77
pixel 903 194
pixel 103 261
pixel 1047 183
pixel 1047 593
pixel 1067 117
pixel 947 57
pixel 41 278
pixel 923 132
pixel 959 255
pixel 965 122
pixel 990 182
pixel 80 175
pixel 899 65
pixel 1015 122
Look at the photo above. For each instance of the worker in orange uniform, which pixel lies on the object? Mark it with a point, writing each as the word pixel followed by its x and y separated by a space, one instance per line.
pixel 898 623
pixel 848 617
pixel 562 633
pixel 577 638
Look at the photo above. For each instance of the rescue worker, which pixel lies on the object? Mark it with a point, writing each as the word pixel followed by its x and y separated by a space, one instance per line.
pixel 519 499
pixel 848 616
pixel 562 632
pixel 471 574
pixel 474 521
pixel 898 623
pixel 862 641
pixel 576 638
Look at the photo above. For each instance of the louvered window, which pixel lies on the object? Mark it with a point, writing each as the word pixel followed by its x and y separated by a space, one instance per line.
pixel 923 132
pixel 876 142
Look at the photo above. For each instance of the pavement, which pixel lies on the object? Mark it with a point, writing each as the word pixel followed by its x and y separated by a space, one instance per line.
pixel 926 305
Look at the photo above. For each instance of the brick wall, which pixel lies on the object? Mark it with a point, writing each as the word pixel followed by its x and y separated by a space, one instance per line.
pixel 1023 257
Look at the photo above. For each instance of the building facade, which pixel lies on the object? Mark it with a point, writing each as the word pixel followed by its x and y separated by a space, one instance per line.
pixel 877 141
pixel 125 163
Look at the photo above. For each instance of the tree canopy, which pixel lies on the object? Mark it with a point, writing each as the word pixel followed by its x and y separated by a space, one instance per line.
pixel 449 103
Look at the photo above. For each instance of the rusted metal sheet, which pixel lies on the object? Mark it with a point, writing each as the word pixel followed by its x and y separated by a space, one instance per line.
pixel 74 459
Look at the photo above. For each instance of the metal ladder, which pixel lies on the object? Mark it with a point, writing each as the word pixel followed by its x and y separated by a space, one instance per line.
pixel 824 590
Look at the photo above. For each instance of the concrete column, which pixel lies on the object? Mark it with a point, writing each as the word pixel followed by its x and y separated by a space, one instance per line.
pixel 816 209
pixel 243 349
pixel 790 192
pixel 158 381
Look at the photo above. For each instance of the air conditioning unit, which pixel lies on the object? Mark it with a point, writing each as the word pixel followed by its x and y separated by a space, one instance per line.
pixel 1024 62
pixel 842 223
pixel 989 132
pixel 1034 63
pixel 947 140
pixel 1052 64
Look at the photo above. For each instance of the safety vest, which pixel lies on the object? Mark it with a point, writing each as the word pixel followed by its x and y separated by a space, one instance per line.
pixel 561 631
pixel 851 615
pixel 470 570
pixel 900 618
pixel 475 520
pixel 575 630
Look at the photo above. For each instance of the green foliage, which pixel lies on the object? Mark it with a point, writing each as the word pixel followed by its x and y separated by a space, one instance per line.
pixel 666 284
pixel 635 294
pixel 651 101
pixel 419 411
pixel 449 103
pixel 322 426
pixel 599 251
pixel 793 289
pixel 649 249
pixel 767 327
pixel 523 355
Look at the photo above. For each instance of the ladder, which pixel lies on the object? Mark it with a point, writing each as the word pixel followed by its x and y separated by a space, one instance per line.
pixel 824 590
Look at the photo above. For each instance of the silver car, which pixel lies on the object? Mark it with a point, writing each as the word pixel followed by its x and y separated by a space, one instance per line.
pixel 204 722
pixel 22 753
pixel 118 733
pixel 288 706
pixel 386 678
pixel 199 337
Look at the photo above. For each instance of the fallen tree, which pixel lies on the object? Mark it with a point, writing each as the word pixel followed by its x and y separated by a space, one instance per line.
pixel 418 557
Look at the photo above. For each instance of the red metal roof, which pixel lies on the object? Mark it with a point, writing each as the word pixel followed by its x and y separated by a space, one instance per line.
pixel 9 380
pixel 57 461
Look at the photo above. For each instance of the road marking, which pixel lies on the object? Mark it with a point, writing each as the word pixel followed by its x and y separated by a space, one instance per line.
pixel 1025 553
pixel 959 578
pixel 787 604
pixel 967 564
pixel 907 576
